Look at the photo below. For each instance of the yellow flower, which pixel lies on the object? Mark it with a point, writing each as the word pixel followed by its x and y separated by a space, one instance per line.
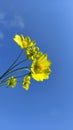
pixel 40 68
pixel 12 81
pixel 26 82
pixel 33 52
pixel 23 42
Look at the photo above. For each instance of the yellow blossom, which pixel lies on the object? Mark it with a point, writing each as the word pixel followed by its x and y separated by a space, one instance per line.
pixel 26 82
pixel 33 52
pixel 23 42
pixel 40 68
pixel 12 81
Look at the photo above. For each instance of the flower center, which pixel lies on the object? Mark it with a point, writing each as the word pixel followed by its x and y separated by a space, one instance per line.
pixel 24 43
pixel 38 69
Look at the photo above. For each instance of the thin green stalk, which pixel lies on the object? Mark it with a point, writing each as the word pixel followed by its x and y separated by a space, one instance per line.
pixel 18 63
pixel 18 69
pixel 15 71
pixel 14 67
pixel 6 79
pixel 20 76
pixel 11 65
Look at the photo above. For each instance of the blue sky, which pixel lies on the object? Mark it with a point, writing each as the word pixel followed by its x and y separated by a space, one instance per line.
pixel 47 105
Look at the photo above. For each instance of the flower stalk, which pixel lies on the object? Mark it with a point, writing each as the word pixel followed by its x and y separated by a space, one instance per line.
pixel 39 69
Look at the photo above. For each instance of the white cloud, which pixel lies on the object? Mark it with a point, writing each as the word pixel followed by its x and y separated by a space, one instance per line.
pixel 1 38
pixel 2 18
pixel 17 21
pixel 13 21
pixel 1 35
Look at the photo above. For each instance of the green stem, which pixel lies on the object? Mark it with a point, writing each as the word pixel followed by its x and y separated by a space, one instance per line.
pixel 18 64
pixel 5 80
pixel 15 71
pixel 11 65
pixel 18 69
pixel 20 76
pixel 14 67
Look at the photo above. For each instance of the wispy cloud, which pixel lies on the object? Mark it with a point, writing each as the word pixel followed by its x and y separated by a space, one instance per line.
pixel 1 38
pixel 10 22
pixel 1 35
pixel 2 18
pixel 17 21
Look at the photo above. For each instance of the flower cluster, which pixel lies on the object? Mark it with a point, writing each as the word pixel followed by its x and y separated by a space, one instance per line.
pixel 39 69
